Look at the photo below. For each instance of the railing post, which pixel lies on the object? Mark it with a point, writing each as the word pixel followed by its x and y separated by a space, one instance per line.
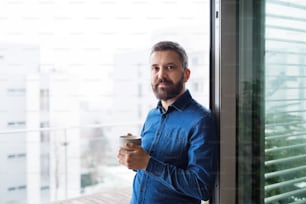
pixel 65 144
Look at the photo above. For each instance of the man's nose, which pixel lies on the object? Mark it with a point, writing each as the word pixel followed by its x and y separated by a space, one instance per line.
pixel 161 73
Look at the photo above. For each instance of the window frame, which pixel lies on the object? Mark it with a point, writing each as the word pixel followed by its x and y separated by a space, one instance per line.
pixel 223 91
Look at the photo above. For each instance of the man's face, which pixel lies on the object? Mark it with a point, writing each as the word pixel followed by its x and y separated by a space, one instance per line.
pixel 168 76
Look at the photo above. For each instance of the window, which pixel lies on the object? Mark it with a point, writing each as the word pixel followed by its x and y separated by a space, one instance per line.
pixel 16 124
pixel 44 100
pixel 80 69
pixel 271 106
pixel 285 114
pixel 16 92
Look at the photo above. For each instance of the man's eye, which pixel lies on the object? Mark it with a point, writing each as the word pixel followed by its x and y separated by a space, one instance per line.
pixel 170 67
pixel 154 68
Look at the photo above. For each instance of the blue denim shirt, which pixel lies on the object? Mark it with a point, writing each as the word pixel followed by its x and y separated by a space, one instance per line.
pixel 182 144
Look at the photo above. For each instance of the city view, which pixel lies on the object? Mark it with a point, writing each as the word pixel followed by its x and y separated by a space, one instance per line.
pixel 74 77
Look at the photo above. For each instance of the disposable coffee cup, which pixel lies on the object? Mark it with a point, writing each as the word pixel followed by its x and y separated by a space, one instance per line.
pixel 124 139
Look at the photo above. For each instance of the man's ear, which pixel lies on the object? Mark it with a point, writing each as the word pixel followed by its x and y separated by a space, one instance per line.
pixel 186 74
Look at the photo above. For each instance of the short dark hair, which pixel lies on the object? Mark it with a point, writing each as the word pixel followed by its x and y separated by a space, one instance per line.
pixel 169 45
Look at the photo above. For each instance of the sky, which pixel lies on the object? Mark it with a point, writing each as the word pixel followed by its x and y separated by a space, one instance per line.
pixel 82 35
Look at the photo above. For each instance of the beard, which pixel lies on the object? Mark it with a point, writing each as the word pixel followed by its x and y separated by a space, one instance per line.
pixel 171 91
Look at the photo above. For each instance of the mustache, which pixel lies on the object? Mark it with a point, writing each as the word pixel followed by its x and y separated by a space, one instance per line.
pixel 163 81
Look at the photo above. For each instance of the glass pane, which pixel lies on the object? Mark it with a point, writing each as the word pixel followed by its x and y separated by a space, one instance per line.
pixel 73 77
pixel 250 129
pixel 285 124
pixel 272 109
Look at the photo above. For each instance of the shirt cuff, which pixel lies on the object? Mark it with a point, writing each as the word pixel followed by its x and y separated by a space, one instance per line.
pixel 155 167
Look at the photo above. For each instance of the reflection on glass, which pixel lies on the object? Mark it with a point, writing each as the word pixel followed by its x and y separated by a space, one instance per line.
pixel 285 107
pixel 271 104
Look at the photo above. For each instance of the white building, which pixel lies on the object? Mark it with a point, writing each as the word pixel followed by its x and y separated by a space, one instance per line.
pixel 16 62
pixel 33 163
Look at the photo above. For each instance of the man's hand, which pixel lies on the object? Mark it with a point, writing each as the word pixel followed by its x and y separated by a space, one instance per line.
pixel 133 158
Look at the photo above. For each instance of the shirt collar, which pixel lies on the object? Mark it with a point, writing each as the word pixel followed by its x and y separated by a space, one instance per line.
pixel 179 104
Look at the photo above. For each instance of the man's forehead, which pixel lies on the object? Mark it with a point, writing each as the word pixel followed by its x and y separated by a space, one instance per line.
pixel 167 56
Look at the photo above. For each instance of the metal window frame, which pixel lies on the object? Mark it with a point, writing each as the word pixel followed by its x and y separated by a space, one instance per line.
pixel 223 93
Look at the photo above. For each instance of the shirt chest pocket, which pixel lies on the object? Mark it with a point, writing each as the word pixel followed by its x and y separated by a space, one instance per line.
pixel 173 146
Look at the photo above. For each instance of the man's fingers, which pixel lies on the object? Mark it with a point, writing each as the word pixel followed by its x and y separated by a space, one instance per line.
pixel 132 145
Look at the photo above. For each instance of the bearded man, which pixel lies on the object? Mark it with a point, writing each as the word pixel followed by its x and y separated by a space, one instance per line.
pixel 176 162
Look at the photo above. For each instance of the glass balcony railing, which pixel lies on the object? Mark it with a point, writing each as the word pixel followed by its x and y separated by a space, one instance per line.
pixel 51 164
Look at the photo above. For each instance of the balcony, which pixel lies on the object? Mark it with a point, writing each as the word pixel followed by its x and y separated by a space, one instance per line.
pixel 65 165
pixel 107 197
